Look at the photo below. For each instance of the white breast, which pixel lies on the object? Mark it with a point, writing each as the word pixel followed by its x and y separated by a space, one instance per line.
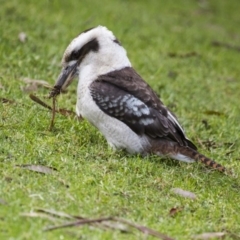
pixel 118 134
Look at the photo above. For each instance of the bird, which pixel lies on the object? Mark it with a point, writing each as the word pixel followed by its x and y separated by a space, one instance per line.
pixel 115 99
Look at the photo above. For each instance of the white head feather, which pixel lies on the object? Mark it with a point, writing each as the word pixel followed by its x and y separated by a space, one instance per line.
pixel 109 57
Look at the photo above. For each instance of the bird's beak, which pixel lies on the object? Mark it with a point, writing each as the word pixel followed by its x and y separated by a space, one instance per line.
pixel 64 79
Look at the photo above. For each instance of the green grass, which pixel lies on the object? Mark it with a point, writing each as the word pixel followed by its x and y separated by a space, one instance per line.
pixel 170 45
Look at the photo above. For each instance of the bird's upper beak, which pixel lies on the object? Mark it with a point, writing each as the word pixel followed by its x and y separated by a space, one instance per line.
pixel 64 79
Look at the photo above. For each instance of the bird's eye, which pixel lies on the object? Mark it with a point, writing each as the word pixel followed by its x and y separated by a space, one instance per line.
pixel 74 55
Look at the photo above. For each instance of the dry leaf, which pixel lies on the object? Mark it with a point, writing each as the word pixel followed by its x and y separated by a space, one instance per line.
pixel 38 82
pixel 84 221
pixel 173 211
pixel 30 88
pixel 38 168
pixel 184 193
pixel 22 36
pixel 33 84
pixel 205 236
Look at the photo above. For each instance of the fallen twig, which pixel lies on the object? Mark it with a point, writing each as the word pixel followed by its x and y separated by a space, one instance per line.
pixel 225 45
pixel 144 229
pixel 78 223
pixel 210 235
pixel 103 225
pixel 84 221
pixel 183 55
pixel 114 223
pixel 54 213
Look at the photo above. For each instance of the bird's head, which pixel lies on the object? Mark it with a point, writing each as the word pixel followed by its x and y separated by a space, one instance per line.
pixel 96 49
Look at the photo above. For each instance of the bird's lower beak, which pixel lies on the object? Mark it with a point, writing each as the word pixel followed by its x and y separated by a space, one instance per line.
pixel 64 79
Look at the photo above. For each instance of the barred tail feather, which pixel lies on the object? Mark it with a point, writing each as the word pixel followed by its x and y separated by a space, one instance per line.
pixel 184 153
pixel 192 154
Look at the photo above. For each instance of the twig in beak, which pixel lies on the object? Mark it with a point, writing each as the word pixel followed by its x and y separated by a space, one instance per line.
pixel 62 111
pixel 39 101
pixel 53 113
pixel 53 109
pixel 54 92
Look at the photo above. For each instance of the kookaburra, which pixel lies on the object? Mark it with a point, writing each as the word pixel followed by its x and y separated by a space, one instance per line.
pixel 113 97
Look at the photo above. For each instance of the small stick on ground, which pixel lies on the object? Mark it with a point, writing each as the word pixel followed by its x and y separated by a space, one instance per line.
pixel 143 229
pixel 225 45
pixel 78 223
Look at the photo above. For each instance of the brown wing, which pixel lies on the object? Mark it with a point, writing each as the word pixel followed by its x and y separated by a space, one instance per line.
pixel 127 79
pixel 123 94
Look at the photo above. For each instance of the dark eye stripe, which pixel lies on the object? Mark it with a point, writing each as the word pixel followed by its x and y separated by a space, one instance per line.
pixel 92 45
